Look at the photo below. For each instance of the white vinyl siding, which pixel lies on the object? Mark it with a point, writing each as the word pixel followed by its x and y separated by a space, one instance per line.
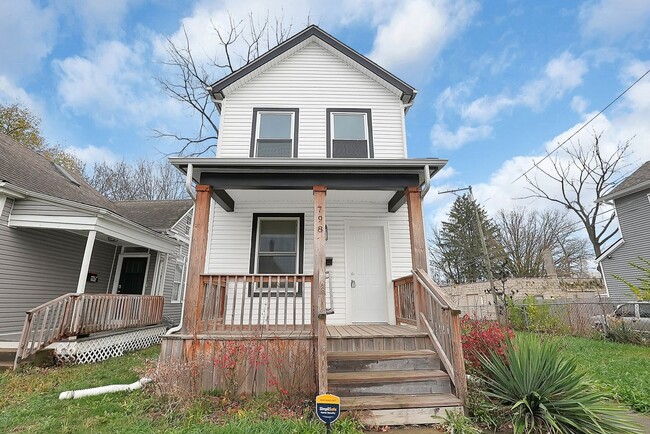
pixel 230 237
pixel 313 80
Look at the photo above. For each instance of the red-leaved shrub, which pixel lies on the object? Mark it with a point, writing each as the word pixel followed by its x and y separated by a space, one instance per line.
pixel 482 336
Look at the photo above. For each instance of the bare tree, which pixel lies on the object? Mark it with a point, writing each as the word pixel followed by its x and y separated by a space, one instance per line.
pixel 144 180
pixel 586 175
pixel 236 44
pixel 525 235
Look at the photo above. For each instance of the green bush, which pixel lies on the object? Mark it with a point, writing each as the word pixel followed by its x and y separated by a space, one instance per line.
pixel 458 423
pixel 482 411
pixel 546 393
pixel 536 317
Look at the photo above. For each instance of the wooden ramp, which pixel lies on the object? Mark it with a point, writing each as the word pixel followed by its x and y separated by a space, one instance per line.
pixel 388 375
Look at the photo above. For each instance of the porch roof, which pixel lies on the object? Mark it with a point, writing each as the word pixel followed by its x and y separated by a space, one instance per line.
pixel 302 174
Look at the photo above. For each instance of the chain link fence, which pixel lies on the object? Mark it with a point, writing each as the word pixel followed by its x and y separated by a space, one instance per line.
pixel 624 322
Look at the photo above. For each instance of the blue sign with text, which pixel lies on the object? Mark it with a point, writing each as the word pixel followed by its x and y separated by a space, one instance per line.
pixel 328 407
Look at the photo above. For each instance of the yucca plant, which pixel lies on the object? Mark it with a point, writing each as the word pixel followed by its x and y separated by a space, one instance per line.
pixel 546 393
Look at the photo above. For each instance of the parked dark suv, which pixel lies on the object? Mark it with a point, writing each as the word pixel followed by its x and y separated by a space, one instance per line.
pixel 635 316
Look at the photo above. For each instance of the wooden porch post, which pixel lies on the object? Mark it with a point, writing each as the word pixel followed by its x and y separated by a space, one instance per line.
pixel 198 248
pixel 85 262
pixel 318 315
pixel 418 246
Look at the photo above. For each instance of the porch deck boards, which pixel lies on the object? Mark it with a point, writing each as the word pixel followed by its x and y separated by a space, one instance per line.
pixel 357 331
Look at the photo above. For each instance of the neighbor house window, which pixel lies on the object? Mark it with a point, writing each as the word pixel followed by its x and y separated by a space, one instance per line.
pixel 275 133
pixel 349 133
pixel 178 287
pixel 277 247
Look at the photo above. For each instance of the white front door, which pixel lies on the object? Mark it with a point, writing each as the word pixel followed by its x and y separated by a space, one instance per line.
pixel 366 278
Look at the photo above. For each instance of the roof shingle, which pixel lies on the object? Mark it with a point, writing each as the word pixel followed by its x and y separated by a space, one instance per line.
pixel 24 168
pixel 159 215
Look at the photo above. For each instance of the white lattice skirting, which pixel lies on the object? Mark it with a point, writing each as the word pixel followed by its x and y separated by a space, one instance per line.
pixel 91 350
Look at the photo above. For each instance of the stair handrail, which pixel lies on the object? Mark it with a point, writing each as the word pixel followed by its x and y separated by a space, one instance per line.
pixel 441 319
pixel 45 324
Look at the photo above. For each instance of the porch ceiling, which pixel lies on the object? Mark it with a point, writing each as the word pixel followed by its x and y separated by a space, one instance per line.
pixel 303 174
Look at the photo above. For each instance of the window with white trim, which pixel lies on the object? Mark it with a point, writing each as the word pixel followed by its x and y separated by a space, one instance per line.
pixel 158 287
pixel 275 132
pixel 350 134
pixel 178 287
pixel 278 241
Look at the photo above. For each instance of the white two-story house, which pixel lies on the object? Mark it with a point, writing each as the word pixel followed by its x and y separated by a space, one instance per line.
pixel 308 228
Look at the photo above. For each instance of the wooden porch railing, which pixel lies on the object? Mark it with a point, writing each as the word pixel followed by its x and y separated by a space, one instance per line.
pixel 405 300
pixel 81 314
pixel 247 301
pixel 438 317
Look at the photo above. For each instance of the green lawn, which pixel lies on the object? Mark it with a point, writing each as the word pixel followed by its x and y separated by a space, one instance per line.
pixel 29 403
pixel 621 370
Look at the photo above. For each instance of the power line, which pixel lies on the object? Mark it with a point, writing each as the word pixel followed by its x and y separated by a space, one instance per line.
pixel 548 154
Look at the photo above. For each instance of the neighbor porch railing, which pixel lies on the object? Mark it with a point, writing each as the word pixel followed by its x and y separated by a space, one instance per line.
pixel 418 300
pixel 82 314
pixel 254 301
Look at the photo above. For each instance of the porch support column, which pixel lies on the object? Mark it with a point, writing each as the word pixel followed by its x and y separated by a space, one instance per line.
pixel 418 246
pixel 318 293
pixel 198 248
pixel 85 262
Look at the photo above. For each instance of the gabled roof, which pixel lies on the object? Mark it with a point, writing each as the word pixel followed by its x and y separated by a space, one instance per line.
pixel 407 92
pixel 159 215
pixel 637 181
pixel 26 169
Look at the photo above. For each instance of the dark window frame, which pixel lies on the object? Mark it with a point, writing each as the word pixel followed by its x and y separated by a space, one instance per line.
pixel 300 253
pixel 256 111
pixel 329 124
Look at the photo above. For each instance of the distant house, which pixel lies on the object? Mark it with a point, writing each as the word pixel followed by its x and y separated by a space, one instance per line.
pixel 631 198
pixel 60 236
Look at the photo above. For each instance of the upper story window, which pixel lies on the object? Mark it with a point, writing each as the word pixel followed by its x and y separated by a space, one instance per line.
pixel 275 133
pixel 349 133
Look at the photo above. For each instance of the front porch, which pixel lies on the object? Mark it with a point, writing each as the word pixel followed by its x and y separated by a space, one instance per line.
pixel 408 328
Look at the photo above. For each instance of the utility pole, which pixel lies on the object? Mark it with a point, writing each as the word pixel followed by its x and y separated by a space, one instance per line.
pixel 488 262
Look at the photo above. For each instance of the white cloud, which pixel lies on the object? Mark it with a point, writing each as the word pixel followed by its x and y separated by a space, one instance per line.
pixel 419 29
pixel 92 154
pixel 579 104
pixel 27 35
pixel 113 84
pixel 613 19
pixel 441 137
pixel 446 173
pixel 100 17
pixel 560 75
pixel 10 93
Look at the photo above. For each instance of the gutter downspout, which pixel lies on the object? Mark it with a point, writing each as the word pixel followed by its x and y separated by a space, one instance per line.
pixel 427 181
pixel 192 193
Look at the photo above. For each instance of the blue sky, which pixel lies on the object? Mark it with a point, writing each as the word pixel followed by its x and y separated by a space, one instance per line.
pixel 499 82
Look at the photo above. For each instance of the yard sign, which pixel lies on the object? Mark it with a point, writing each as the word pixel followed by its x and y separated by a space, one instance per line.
pixel 328 408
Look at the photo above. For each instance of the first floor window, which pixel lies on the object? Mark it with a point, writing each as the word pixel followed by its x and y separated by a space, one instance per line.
pixel 278 240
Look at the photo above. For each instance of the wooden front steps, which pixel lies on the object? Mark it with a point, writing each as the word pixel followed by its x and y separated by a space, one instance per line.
pixel 391 387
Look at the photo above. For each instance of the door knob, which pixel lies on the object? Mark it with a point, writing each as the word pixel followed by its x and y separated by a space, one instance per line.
pixel 353 284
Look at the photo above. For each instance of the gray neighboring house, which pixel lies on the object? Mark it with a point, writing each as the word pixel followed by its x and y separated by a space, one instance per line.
pixel 631 199
pixel 58 235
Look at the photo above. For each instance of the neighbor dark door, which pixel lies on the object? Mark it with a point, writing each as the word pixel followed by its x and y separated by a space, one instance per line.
pixel 132 275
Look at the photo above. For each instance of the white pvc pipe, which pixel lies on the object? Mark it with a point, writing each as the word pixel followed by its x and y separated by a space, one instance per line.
pixel 76 394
